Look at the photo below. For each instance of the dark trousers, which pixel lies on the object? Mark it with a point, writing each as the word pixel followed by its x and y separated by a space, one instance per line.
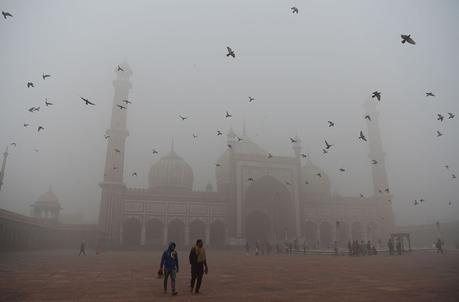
pixel 197 271
pixel 82 252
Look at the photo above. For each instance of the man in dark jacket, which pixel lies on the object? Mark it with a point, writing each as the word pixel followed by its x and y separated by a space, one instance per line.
pixel 170 264
pixel 198 265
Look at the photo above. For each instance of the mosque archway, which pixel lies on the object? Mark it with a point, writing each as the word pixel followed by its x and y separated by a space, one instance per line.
pixel 154 232
pixel 357 231
pixel 197 231
pixel 270 197
pixel 217 234
pixel 176 232
pixel 131 232
pixel 326 240
pixel 258 227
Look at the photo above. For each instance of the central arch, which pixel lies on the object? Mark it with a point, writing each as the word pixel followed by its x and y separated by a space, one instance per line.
pixel 258 227
pixel 131 232
pixel 270 197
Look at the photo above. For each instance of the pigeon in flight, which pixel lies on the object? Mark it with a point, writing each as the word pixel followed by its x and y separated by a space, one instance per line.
pixel 292 140
pixel 421 200
pixel 218 165
pixel 183 117
pixel 29 84
pixel 13 144
pixel 362 136
pixel 429 94
pixel 324 151
pixel 306 182
pixel 374 161
pixel 303 155
pixel 86 101
pixel 127 102
pixel 450 203
pixel 377 95
pixel 379 191
pixel 342 170
pixel 155 151
pixel 251 99
pixel 269 155
pixel 294 10
pixel 44 76
pixel 119 68
pixel 121 107
pixel 195 135
pixel 134 174
pixel 416 202
pixel 32 109
pixel 288 183
pixel 229 146
pixel 117 150
pixel 439 133
pixel 446 167
pixel 239 138
pixel 407 38
pixel 48 103
pixel 331 124
pixel 219 132
pixel 368 118
pixel 40 128
pixel 228 115
pixel 453 176
pixel 387 190
pixel 450 115
pixel 26 125
pixel 327 145
pixel 440 117
pixel 106 136
pixel 6 14
pixel 230 52
pixel 361 195
pixel 319 174
pixel 251 179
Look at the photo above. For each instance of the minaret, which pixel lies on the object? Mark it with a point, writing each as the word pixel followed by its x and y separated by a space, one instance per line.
pixel 378 171
pixel 2 172
pixel 113 187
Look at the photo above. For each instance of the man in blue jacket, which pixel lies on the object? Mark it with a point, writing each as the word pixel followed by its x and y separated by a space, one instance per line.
pixel 170 265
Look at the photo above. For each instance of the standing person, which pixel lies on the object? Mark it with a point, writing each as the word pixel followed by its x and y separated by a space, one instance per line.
pixel 82 248
pixel 399 247
pixel 390 245
pixel 256 248
pixel 247 248
pixel 438 245
pixel 198 265
pixel 170 264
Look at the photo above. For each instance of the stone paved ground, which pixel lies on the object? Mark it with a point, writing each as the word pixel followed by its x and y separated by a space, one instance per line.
pixel 233 276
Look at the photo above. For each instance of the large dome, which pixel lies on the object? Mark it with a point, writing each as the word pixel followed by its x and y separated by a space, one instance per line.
pixel 48 201
pixel 172 172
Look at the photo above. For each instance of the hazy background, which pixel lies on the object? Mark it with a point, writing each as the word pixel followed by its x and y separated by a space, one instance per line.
pixel 303 70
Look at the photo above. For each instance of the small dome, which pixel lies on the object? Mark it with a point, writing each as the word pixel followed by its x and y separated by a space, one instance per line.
pixel 171 171
pixel 313 184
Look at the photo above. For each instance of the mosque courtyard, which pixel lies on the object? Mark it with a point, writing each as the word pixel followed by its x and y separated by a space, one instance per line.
pixel 62 275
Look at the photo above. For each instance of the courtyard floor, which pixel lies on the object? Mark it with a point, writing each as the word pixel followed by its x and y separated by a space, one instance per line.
pixel 233 276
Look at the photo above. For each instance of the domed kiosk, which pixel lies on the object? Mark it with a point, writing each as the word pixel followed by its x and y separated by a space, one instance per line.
pixel 47 206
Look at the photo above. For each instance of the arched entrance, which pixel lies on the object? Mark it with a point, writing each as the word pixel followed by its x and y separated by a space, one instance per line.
pixel 270 200
pixel 176 233
pixel 357 231
pixel 131 232
pixel 326 240
pixel 154 233
pixel 310 234
pixel 197 231
pixel 258 227
pixel 217 234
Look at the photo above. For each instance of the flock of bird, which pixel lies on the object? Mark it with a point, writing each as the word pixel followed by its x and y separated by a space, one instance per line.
pixel 377 95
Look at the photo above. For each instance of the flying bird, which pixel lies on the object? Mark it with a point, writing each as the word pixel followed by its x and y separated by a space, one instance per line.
pixel 218 165
pixel 303 155
pixel 251 179
pixel 227 114
pixel 31 109
pixel 48 103
pixel 40 128
pixel 440 117
pixel 251 99
pixel 446 167
pixel 407 38
pixel 230 52
pixel 26 125
pixel 117 150
pixel 269 155
pixel 106 136
pixel 29 84
pixel 195 135
pixel 306 182
pixel 13 144
pixel 319 174
pixel 450 203
pixel 294 10
pixel 429 94
pixel 155 151
pixel 331 124
pixel 183 117
pixel 229 146
pixel 450 115
pixel 453 176
pixel 361 195
pixel 377 95
pixel 119 68
pixel 6 14
pixel 362 136
pixel 327 145
pixel 380 191
pixel 292 140
pixel 121 107
pixel 44 76
pixel 134 174
pixel 368 118
pixel 288 183
pixel 439 133
pixel 374 161
pixel 86 101
pixel 127 102
pixel 342 170
pixel 239 138
pixel 219 132
pixel 387 190
pixel 324 151
pixel 416 202
pixel 421 200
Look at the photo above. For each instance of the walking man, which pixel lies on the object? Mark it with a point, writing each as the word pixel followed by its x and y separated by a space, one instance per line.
pixel 170 265
pixel 82 248
pixel 198 265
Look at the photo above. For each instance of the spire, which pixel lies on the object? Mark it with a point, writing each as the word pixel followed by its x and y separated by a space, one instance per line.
pixel 2 172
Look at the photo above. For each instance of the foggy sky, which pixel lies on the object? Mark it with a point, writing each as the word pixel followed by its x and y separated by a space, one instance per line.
pixel 303 70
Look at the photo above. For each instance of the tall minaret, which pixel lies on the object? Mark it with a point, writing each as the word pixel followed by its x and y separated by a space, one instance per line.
pixel 2 172
pixel 113 187
pixel 378 171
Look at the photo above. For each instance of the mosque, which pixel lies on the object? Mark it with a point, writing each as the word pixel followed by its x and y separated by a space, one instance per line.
pixel 258 197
